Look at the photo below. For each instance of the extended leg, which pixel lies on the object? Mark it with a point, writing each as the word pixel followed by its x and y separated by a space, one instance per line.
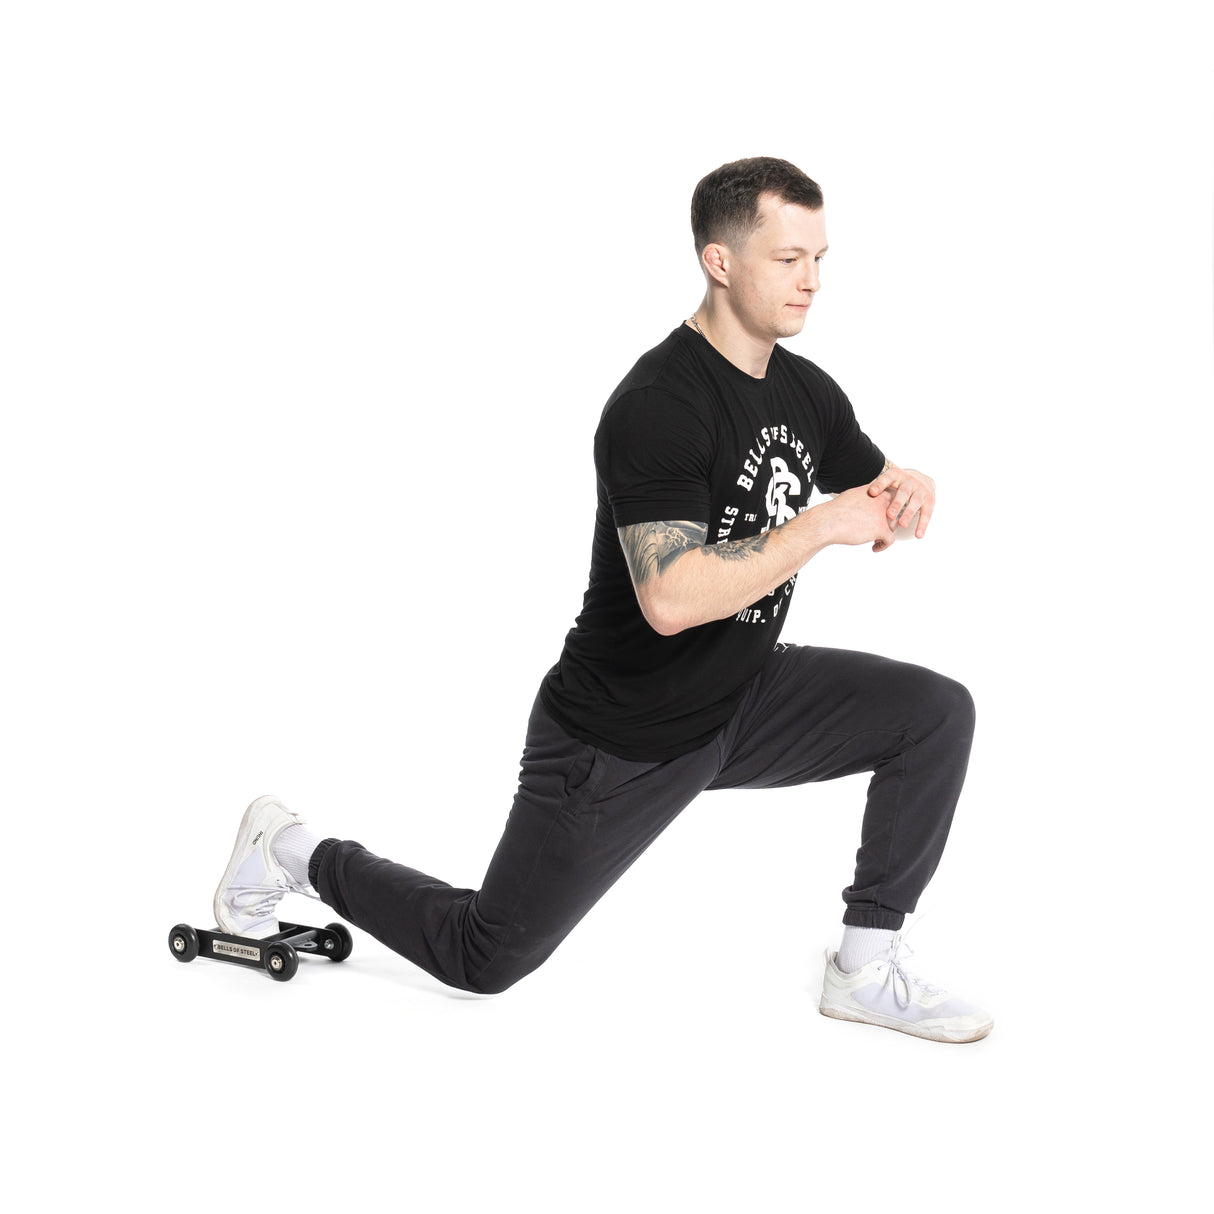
pixel 580 818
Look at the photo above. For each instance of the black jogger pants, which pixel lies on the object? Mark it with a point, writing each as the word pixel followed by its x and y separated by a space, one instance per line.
pixel 582 816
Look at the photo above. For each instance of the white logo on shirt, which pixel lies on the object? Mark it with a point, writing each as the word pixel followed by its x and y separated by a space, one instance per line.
pixel 782 483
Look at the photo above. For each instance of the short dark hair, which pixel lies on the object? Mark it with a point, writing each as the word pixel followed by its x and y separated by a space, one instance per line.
pixel 725 205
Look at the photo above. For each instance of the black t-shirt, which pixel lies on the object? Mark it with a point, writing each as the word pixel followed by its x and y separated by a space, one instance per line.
pixel 687 435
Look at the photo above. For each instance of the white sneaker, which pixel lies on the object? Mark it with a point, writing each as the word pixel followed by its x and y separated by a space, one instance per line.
pixel 883 993
pixel 254 882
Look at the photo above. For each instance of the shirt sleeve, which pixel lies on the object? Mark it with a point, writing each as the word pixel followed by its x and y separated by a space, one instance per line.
pixel 652 453
pixel 849 457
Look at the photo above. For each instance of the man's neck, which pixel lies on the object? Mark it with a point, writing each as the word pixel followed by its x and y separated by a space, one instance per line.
pixel 723 332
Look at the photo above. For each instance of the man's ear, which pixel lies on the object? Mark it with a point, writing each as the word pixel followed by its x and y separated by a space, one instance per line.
pixel 716 259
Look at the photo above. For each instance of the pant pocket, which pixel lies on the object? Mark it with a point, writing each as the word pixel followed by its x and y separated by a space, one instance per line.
pixel 584 776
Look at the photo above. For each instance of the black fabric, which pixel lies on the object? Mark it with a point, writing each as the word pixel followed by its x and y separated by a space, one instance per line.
pixel 582 816
pixel 318 854
pixel 689 436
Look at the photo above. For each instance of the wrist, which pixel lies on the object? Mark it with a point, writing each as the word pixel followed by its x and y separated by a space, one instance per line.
pixel 817 527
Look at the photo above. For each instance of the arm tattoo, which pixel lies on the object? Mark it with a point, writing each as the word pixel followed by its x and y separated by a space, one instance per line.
pixel 651 548
pixel 738 550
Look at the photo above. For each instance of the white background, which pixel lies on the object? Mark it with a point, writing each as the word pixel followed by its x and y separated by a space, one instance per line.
pixel 309 313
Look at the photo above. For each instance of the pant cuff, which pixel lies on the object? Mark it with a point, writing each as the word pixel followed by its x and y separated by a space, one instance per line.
pixel 314 863
pixel 886 920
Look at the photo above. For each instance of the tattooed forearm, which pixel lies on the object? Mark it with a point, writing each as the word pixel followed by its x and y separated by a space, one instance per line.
pixel 737 550
pixel 651 548
pixel 731 576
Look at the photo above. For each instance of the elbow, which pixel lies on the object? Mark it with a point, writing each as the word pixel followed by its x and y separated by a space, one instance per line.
pixel 666 626
pixel 665 616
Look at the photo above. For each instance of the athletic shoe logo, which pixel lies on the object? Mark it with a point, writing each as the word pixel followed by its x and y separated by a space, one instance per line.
pixel 256 837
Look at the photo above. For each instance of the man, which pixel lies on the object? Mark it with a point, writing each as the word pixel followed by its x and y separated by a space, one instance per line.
pixel 672 680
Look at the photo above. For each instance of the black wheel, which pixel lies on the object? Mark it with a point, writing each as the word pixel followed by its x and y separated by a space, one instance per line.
pixel 343 945
pixel 281 962
pixel 183 942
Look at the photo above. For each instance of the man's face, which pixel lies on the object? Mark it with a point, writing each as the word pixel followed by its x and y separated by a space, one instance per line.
pixel 773 279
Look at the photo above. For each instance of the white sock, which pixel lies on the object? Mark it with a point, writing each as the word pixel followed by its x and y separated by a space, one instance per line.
pixel 293 849
pixel 862 945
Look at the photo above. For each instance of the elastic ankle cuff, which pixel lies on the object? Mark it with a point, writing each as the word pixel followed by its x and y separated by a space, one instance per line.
pixel 890 921
pixel 314 864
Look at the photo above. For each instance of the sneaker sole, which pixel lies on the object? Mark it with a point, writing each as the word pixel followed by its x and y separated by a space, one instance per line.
pixel 926 1032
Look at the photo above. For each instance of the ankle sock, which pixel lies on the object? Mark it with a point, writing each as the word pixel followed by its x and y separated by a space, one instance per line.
pixel 293 849
pixel 862 945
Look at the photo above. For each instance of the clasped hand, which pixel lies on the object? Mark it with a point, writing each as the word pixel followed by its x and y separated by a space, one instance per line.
pixel 912 498
pixel 896 505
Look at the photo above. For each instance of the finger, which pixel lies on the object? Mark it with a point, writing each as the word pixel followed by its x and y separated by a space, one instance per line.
pixel 925 514
pixel 883 482
pixel 914 503
pixel 901 500
pixel 919 497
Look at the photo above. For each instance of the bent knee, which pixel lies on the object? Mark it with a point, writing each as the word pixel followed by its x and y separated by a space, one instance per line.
pixel 495 985
pixel 955 706
pixel 497 978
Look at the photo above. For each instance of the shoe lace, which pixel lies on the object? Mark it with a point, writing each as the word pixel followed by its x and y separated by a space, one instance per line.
pixel 261 901
pixel 265 908
pixel 256 901
pixel 903 984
